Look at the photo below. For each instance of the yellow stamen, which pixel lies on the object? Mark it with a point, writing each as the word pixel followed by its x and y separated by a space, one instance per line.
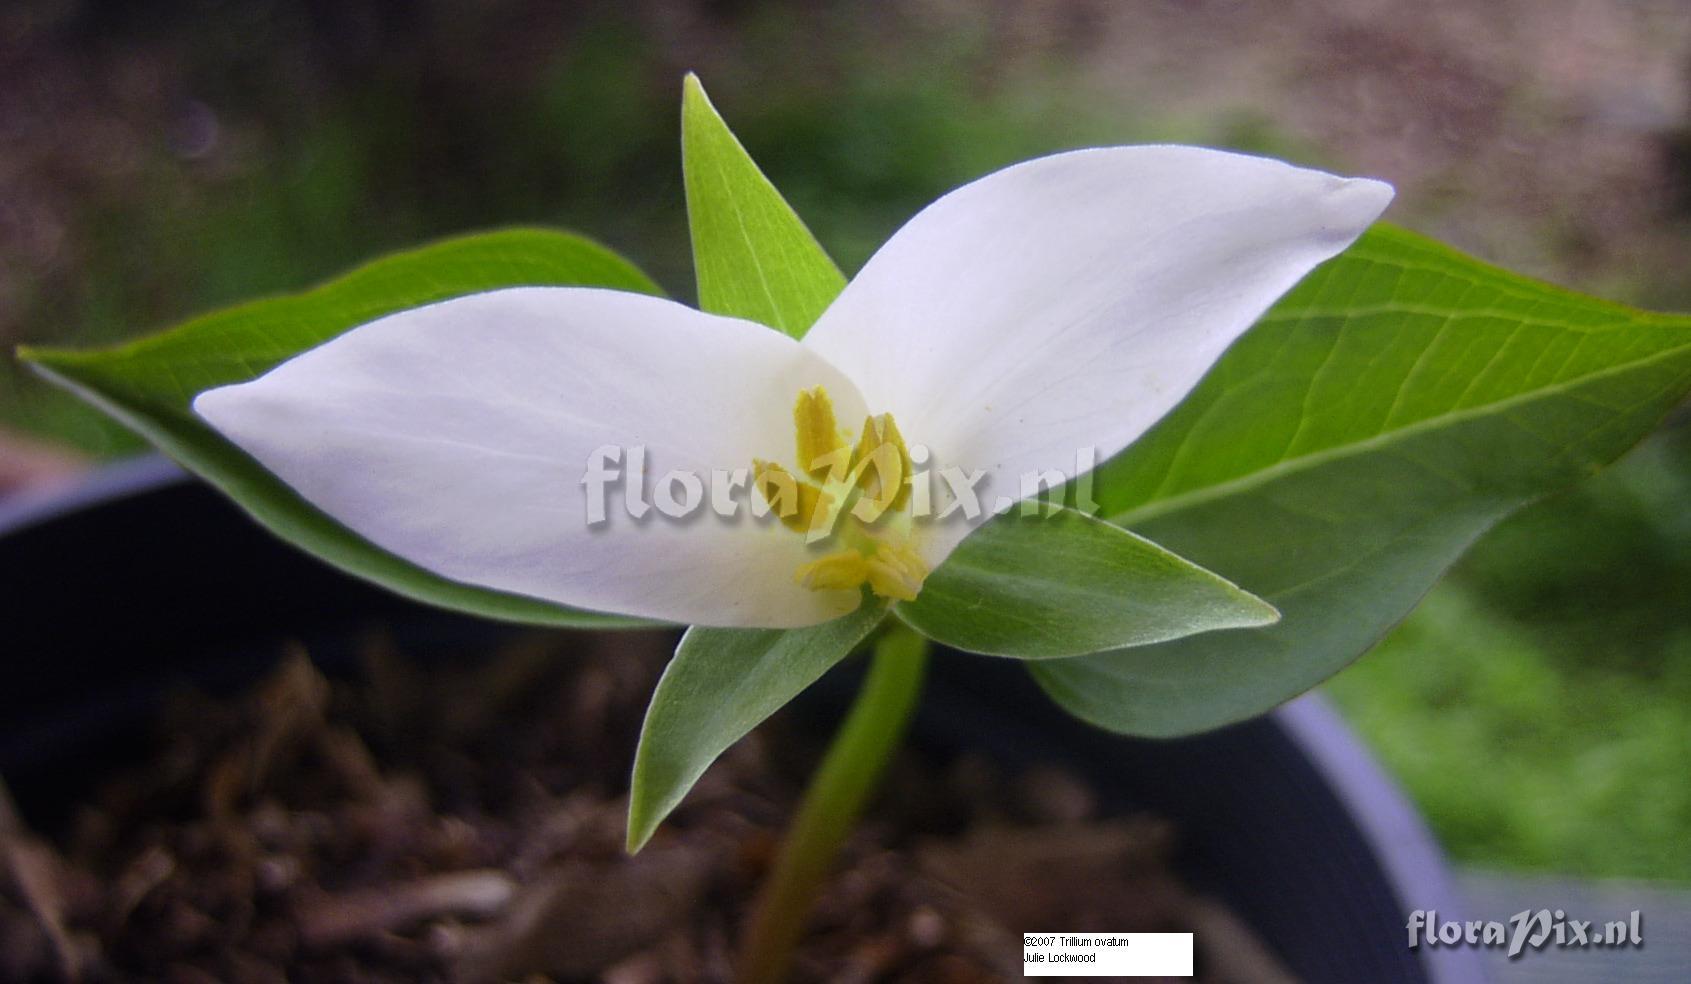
pixel 896 572
pixel 881 465
pixel 819 439
pixel 872 477
pixel 798 504
pixel 843 570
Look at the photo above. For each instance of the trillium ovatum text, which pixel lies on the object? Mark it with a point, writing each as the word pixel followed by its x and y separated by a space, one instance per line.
pixel 1271 498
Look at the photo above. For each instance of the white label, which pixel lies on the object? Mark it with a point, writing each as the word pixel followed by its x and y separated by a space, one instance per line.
pixel 1107 954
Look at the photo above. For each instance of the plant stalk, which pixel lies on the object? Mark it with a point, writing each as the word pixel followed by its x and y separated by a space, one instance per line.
pixel 832 804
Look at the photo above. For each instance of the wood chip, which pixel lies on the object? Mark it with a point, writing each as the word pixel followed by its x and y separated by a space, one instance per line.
pixel 328 920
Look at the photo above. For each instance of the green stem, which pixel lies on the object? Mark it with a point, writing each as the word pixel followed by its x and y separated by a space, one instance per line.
pixel 837 795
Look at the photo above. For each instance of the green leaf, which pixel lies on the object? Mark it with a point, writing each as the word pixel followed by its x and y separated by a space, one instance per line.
pixel 1067 584
pixel 1342 455
pixel 753 257
pixel 721 684
pixel 149 385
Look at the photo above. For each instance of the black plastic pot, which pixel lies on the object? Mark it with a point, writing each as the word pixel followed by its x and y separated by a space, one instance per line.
pixel 140 579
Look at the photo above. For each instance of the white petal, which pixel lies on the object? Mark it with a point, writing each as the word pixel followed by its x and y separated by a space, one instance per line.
pixel 1071 301
pixel 458 436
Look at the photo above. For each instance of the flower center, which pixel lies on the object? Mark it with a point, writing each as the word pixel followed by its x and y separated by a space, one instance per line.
pixel 851 501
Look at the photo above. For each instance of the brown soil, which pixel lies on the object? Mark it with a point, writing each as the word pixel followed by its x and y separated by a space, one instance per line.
pixel 467 824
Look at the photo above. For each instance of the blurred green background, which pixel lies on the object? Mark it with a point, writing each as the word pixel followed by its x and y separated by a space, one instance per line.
pixel 158 160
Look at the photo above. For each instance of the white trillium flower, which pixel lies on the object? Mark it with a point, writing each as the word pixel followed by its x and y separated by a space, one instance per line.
pixel 1064 303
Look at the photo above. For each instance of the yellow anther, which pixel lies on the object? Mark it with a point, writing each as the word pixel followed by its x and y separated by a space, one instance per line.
pixel 872 478
pixel 819 438
pixel 798 504
pixel 845 569
pixel 777 486
pixel 881 465
pixel 896 572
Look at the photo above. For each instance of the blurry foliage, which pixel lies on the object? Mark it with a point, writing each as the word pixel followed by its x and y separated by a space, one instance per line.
pixel 360 131
pixel 1538 707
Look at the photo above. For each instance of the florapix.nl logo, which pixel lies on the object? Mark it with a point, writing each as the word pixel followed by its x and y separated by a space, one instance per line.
pixel 617 479
pixel 1529 929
